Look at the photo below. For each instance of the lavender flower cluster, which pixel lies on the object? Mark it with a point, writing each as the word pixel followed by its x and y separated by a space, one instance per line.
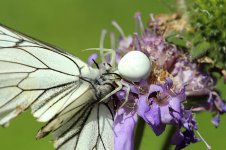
pixel 164 98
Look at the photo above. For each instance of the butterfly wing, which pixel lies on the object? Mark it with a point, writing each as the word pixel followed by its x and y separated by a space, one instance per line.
pixel 88 129
pixel 87 126
pixel 47 79
pixel 37 75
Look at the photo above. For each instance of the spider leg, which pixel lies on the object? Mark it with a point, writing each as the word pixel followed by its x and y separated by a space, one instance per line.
pixel 120 85
pixel 113 92
pixel 112 54
pixel 104 52
pixel 127 94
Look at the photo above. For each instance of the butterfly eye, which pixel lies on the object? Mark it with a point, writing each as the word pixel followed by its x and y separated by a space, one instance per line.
pixel 134 66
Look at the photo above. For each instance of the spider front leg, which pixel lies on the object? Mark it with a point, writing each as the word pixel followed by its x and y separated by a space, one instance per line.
pixel 127 93
pixel 110 52
pixel 105 52
pixel 113 92
pixel 120 85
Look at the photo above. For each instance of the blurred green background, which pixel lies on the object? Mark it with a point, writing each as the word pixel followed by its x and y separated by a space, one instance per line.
pixel 76 25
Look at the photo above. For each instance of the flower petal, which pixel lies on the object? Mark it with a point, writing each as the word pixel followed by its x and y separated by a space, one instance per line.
pixel 124 130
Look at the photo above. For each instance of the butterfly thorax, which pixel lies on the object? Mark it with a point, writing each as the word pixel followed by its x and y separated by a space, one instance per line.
pixel 105 84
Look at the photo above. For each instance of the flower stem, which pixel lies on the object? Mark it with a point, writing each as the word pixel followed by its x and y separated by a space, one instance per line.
pixel 167 143
pixel 139 133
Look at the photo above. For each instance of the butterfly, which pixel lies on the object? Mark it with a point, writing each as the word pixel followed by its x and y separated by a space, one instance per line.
pixel 60 89
pixel 71 97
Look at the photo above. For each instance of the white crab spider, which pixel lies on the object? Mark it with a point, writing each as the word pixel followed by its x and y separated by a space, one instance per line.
pixel 134 66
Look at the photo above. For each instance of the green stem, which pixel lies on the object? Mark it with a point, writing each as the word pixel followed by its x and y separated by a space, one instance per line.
pixel 139 133
pixel 167 143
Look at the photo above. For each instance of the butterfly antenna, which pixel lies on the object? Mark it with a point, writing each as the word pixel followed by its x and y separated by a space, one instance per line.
pixel 96 64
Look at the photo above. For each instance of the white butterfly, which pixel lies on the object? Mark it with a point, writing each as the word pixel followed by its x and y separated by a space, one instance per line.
pixel 59 89
pixel 62 90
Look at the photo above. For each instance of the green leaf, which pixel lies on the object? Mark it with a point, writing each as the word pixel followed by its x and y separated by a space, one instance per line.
pixel 176 38
pixel 197 38
pixel 200 49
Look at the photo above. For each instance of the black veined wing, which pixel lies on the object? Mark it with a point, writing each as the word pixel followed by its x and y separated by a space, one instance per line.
pixel 90 132
pixel 34 74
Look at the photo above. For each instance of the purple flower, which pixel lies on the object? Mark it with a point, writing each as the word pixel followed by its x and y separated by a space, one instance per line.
pixel 197 83
pixel 158 105
pixel 159 100
pixel 183 138
pixel 124 124
pixel 125 43
pixel 216 120
pixel 187 121
pixel 161 106
pixel 125 121
pixel 151 115
pixel 200 85
pixel 163 54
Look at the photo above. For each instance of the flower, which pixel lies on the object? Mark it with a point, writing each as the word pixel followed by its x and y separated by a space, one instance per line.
pixel 124 124
pixel 183 138
pixel 125 121
pixel 159 105
pixel 166 96
pixel 197 82
pixel 200 85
